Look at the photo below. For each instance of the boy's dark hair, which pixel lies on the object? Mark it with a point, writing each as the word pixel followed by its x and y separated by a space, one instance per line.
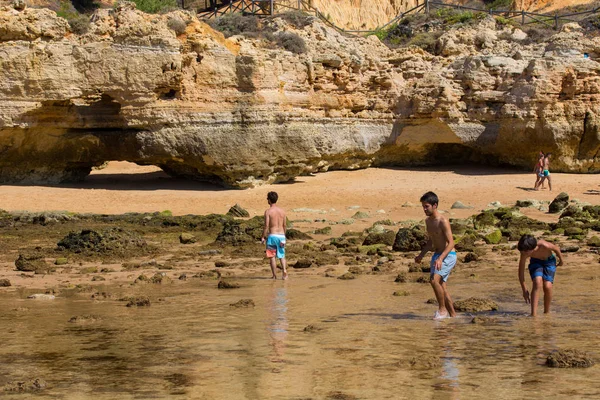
pixel 527 243
pixel 430 198
pixel 272 197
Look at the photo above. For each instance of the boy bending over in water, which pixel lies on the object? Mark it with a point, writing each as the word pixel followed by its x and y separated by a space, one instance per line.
pixel 444 256
pixel 542 267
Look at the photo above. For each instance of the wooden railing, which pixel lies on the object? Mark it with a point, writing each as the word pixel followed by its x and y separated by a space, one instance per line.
pixel 270 7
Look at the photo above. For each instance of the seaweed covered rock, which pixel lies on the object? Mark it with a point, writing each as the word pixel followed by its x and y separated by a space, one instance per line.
pixel 32 262
pixel 474 304
pixel 33 385
pixel 4 283
pixel 410 239
pixel 186 238
pixel 493 237
pixel 238 211
pixel 241 232
pixel 295 234
pixel 108 241
pixel 243 303
pixel 569 358
pixel 387 237
pixel 559 203
pixel 466 243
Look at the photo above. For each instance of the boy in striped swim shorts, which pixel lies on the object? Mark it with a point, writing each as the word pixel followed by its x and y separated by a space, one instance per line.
pixel 542 267
pixel 274 235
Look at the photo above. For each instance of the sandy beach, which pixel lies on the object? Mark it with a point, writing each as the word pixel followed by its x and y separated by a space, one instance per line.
pixel 124 187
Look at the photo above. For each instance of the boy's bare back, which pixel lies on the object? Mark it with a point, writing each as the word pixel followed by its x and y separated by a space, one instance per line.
pixel 275 220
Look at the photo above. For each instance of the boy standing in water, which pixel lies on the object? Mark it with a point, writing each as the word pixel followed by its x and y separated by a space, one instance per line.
pixel 542 267
pixel 275 229
pixel 444 256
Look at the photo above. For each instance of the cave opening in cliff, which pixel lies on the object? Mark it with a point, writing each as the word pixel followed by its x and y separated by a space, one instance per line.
pixel 124 172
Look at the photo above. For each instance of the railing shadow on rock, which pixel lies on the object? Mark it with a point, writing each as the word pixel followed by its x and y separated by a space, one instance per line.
pixel 270 7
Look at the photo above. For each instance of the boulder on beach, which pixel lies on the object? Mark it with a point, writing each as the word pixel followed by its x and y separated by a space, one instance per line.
pixel 238 211
pixel 4 283
pixel 111 241
pixel 559 203
pixel 186 238
pixel 460 206
pixel 227 285
pixel 569 358
pixel 386 237
pixel 32 262
pixel 410 239
pixel 474 304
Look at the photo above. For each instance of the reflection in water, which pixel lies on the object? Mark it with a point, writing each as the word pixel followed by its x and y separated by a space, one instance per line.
pixel 449 374
pixel 278 321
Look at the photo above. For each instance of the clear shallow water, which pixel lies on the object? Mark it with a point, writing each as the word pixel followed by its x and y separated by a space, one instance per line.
pixel 370 344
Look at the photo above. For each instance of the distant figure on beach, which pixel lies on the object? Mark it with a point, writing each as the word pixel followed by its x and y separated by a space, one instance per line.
pixel 539 170
pixel 444 256
pixel 545 172
pixel 542 267
pixel 274 234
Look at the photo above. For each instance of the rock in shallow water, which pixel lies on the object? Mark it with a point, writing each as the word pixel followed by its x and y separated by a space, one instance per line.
pixel 569 358
pixel 474 304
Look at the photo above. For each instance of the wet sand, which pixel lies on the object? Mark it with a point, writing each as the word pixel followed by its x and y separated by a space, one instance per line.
pixel 366 342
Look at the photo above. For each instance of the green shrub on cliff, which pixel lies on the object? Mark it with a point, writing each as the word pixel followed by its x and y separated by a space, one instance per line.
pixel 155 6
pixel 79 23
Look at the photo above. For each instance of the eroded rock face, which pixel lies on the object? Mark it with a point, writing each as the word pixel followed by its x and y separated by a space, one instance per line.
pixel 243 112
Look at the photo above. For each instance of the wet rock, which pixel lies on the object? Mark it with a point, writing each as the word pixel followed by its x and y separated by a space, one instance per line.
pixel 494 237
pixel 470 257
pixel 569 249
pixel 423 279
pixel 326 259
pixel 484 320
pixel 323 231
pixel 84 319
pixel 573 231
pixel 410 239
pixel 311 328
pixel 140 301
pixel 98 278
pixel 34 385
pixel 387 237
pixel 347 221
pixel 361 215
pixel 61 261
pixel 460 226
pixel 182 277
pixel 559 203
pixel 211 252
pixel 32 262
pixel 594 241
pixel 466 243
pixel 187 238
pixel 525 203
pixel 111 241
pixel 400 293
pixel 88 270
pixel 425 362
pixel 304 263
pixel 241 232
pixel 569 358
pixel 238 211
pixel 356 270
pixel 141 279
pixel 243 303
pixel 227 285
pixel 337 395
pixel 295 234
pixel 211 274
pixel 401 278
pixel 160 278
pixel 4 283
pixel 460 206
pixel 347 276
pixel 432 300
pixel 41 296
pixel 221 264
pixel 474 304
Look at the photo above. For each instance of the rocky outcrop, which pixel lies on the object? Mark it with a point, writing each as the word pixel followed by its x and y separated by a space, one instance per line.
pixel 242 112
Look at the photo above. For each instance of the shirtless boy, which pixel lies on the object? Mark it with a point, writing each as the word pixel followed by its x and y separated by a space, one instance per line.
pixel 539 171
pixel 274 234
pixel 542 267
pixel 444 256
pixel 546 172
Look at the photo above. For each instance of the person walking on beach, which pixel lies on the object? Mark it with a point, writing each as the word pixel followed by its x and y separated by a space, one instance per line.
pixel 539 170
pixel 444 256
pixel 274 235
pixel 546 172
pixel 542 267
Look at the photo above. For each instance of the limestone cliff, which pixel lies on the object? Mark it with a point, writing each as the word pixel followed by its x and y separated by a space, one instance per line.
pixel 242 111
